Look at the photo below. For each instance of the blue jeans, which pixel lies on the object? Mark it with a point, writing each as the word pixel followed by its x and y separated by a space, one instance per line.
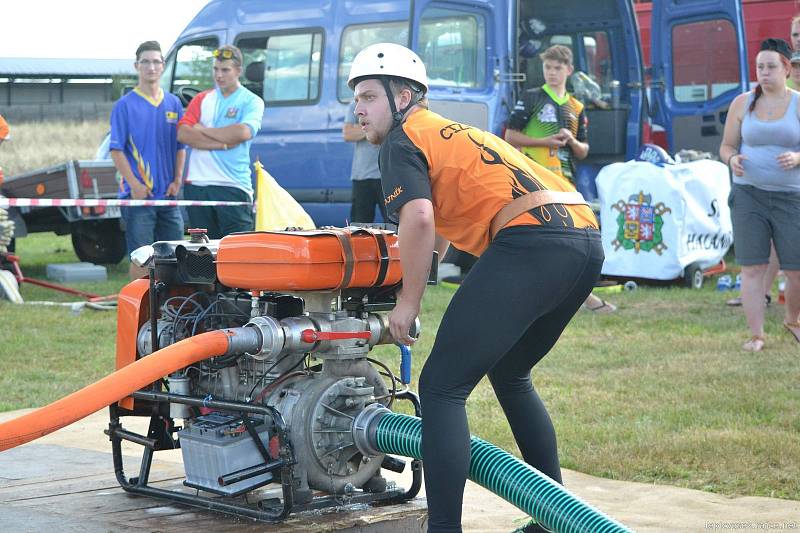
pixel 146 225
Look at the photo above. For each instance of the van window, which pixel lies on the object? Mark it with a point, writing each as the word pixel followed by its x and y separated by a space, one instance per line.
pixel 356 38
pixel 597 60
pixel 705 60
pixel 193 66
pixel 531 63
pixel 283 69
pixel 452 45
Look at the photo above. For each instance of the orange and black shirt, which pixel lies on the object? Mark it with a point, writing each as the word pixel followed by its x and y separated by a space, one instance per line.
pixel 469 175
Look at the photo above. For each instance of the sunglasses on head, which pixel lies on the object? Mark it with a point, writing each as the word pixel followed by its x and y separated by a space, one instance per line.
pixel 224 54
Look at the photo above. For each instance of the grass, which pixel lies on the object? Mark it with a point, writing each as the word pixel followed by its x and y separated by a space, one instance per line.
pixel 658 392
pixel 41 144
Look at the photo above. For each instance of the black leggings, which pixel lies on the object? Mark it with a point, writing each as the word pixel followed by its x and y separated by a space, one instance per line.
pixel 507 314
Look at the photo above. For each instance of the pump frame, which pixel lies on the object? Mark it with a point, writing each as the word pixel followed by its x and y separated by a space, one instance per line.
pixel 269 510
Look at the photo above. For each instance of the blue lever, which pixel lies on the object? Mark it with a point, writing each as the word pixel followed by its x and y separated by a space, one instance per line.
pixel 405 364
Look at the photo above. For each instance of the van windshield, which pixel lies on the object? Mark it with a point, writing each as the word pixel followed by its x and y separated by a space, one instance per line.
pixel 193 63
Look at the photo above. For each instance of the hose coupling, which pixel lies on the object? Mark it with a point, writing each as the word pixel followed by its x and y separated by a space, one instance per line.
pixel 365 427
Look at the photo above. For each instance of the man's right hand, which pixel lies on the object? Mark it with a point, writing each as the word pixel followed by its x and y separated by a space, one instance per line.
pixel 139 192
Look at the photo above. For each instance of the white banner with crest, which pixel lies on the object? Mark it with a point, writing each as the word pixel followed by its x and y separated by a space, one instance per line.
pixel 656 220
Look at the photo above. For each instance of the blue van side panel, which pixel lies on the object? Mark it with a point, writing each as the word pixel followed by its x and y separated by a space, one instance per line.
pixel 495 96
pixel 302 145
pixel 215 16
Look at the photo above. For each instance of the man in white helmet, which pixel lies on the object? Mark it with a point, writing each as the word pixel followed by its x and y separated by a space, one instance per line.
pixel 539 257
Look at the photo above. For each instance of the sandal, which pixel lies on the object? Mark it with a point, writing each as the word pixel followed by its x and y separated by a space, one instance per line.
pixel 755 344
pixel 737 302
pixel 604 307
pixel 794 329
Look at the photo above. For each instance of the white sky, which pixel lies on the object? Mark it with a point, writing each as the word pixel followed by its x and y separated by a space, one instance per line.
pixel 109 29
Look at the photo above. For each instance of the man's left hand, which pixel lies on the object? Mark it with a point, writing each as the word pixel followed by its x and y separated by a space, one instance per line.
pixel 401 319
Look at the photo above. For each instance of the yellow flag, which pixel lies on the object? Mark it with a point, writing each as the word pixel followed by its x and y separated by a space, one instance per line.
pixel 275 208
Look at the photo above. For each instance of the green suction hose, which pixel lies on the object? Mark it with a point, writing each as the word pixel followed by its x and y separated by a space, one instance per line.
pixel 549 503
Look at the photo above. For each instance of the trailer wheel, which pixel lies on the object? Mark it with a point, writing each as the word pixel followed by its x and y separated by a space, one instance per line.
pixel 99 241
pixel 693 276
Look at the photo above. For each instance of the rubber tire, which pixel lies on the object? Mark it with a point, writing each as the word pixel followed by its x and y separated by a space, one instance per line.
pixel 693 276
pixel 100 242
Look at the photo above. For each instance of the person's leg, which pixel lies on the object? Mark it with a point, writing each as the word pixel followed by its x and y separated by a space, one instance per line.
pixel 233 219
pixel 511 377
pixel 140 223
pixel 202 216
pixel 792 311
pixel 769 278
pixel 772 271
pixel 362 208
pixel 753 299
pixel 785 207
pixel 516 281
pixel 595 303
pixel 750 208
pixel 169 224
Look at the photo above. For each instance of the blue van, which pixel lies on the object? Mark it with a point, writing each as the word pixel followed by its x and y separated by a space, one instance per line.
pixel 480 55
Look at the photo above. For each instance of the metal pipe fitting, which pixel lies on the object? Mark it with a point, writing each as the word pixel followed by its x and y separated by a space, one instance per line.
pixel 365 426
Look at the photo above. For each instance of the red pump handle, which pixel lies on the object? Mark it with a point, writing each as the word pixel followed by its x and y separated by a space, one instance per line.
pixel 310 335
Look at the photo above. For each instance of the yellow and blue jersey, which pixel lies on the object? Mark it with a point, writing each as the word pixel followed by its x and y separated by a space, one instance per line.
pixel 146 131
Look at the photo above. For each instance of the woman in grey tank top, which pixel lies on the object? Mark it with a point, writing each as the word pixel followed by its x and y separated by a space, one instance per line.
pixel 761 145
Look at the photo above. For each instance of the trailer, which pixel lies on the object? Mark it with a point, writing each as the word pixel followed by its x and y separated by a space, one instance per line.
pixel 97 235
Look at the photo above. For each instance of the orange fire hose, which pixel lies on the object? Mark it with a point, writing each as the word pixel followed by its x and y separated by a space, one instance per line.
pixel 111 388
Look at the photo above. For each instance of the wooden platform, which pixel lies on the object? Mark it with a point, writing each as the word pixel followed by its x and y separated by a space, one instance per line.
pixel 64 483
pixel 47 487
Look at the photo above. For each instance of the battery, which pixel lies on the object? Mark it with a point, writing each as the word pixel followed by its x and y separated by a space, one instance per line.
pixel 218 444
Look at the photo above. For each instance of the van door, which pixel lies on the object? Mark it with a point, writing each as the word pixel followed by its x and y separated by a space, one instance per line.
pixel 464 50
pixel 187 68
pixel 699 60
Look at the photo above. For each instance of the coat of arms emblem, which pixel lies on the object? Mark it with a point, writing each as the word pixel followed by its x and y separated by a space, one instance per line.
pixel 640 224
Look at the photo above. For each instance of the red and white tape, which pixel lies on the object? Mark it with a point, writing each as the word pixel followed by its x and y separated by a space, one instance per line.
pixel 96 202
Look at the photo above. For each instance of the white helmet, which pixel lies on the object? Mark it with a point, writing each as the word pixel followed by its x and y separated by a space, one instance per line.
pixel 388 59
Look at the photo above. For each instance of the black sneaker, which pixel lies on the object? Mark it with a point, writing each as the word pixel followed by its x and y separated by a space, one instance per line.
pixel 455 280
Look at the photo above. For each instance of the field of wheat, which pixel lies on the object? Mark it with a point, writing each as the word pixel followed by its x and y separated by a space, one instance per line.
pixel 35 145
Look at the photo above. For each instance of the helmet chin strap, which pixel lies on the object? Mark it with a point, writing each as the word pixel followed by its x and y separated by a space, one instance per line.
pixel 397 116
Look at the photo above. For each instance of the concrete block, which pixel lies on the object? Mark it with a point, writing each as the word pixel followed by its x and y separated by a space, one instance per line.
pixel 75 272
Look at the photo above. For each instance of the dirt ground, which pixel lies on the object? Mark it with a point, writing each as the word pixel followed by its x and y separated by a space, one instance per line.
pixel 641 507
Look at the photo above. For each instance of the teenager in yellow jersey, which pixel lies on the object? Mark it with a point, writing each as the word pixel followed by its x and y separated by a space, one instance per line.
pixel 539 256
pixel 549 125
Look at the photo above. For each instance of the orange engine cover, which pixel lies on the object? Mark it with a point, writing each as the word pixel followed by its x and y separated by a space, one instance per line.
pixel 324 259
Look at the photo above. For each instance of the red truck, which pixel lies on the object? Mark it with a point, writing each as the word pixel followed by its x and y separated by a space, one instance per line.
pixel 762 19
